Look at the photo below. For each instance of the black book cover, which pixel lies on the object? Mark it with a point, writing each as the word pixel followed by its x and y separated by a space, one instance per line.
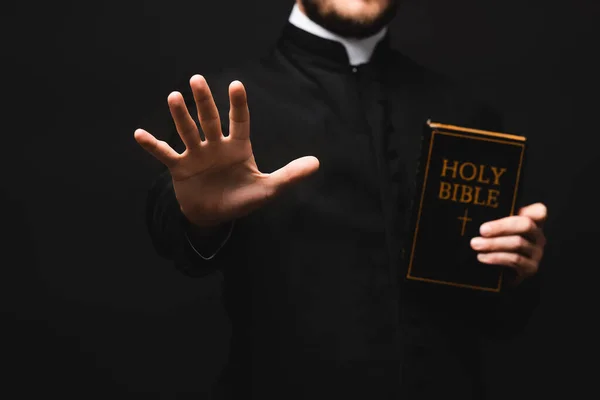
pixel 466 177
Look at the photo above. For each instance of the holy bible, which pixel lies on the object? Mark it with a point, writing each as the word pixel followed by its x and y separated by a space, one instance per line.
pixel 466 177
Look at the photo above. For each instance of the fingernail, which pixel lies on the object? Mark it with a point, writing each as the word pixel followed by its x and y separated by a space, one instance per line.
pixel 476 243
pixel 481 257
pixel 485 229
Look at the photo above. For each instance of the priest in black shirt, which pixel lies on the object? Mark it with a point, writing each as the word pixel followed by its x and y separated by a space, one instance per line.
pixel 312 253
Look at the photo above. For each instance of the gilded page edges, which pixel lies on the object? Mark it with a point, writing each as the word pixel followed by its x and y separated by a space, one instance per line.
pixel 437 125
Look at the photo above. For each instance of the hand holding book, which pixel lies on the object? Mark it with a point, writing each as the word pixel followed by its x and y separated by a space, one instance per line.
pixel 515 242
pixel 465 230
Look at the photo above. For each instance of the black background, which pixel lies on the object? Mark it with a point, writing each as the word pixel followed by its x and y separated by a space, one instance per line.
pixel 90 311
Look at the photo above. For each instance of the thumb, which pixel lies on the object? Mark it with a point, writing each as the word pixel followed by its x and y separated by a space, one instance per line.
pixel 292 172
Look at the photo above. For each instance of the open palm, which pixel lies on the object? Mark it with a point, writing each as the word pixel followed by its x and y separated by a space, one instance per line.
pixel 216 179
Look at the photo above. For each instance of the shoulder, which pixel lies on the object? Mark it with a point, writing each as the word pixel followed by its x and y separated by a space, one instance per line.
pixel 445 98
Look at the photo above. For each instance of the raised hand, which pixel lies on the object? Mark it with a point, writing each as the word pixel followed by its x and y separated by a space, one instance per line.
pixel 216 180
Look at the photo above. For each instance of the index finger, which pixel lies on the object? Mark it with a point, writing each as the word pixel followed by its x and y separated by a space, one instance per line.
pixel 508 226
pixel 537 212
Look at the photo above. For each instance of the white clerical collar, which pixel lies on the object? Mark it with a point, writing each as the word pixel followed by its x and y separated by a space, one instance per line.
pixel 359 50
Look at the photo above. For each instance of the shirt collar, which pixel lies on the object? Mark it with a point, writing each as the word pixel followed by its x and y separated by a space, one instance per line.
pixel 359 51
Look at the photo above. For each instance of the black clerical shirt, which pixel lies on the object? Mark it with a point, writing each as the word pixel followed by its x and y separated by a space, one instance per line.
pixel 314 281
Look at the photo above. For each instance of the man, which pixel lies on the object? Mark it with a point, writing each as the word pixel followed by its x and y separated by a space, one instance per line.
pixel 312 253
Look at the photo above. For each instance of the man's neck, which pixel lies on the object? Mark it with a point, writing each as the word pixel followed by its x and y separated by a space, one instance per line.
pixel 359 50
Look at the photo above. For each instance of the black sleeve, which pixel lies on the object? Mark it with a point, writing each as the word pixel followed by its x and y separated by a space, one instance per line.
pixel 515 307
pixel 168 229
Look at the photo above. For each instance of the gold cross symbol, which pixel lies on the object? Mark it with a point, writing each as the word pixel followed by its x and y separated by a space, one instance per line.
pixel 464 220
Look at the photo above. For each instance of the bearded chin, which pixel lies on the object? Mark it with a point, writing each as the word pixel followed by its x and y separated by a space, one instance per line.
pixel 348 27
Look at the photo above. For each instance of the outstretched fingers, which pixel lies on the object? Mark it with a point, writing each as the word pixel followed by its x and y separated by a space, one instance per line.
pixel 239 115
pixel 208 114
pixel 186 126
pixel 158 148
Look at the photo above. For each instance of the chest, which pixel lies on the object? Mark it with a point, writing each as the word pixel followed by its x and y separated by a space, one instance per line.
pixel 366 134
pixel 362 133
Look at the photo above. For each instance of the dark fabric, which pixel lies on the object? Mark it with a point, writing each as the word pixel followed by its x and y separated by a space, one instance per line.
pixel 314 282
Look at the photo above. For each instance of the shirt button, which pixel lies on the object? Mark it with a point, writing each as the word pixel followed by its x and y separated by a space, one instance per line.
pixel 354 69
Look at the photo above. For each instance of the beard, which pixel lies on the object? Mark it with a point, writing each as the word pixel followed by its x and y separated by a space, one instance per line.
pixel 348 27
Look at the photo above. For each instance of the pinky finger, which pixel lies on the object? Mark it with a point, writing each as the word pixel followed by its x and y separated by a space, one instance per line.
pixel 158 148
